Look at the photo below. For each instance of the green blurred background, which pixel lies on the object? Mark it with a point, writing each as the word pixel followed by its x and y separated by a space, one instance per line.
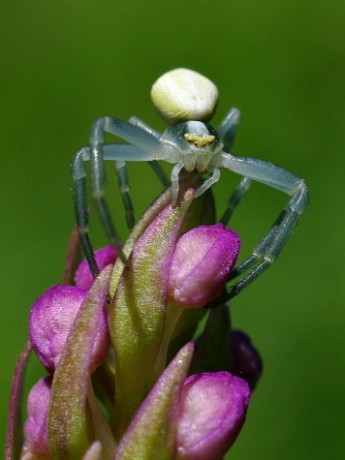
pixel 282 62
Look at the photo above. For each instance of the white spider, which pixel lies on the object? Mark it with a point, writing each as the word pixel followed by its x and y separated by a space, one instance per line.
pixel 187 101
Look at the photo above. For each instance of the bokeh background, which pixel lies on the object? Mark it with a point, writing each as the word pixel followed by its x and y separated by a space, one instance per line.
pixel 282 62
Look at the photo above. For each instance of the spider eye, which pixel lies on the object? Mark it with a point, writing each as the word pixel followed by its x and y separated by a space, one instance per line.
pixel 199 141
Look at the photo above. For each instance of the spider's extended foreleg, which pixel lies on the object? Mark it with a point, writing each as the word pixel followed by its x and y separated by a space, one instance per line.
pixel 136 135
pixel 273 242
pixel 80 205
pixel 114 152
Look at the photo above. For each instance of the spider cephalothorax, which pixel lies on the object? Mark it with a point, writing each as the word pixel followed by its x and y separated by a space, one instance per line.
pixel 193 144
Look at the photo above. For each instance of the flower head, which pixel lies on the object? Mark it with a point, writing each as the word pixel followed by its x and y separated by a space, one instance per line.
pixel 128 333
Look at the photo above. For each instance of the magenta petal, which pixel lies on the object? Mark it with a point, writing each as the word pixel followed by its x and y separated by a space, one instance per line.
pixel 51 318
pixel 83 277
pixel 36 425
pixel 201 264
pixel 212 411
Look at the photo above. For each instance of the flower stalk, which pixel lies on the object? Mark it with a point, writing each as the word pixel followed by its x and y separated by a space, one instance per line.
pixel 130 375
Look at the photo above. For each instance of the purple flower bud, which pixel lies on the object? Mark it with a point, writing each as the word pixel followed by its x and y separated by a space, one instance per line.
pixel 212 411
pixel 51 319
pixel 245 359
pixel 36 425
pixel 201 264
pixel 83 277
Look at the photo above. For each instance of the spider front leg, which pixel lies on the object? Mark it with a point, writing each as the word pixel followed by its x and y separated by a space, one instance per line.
pixel 81 208
pixel 145 148
pixel 136 133
pixel 273 242
pixel 98 182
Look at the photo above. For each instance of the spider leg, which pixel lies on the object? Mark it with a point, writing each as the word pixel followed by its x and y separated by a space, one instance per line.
pixel 115 152
pixel 131 133
pixel 228 128
pixel 273 242
pixel 210 181
pixel 234 199
pixel 123 180
pixel 141 124
pixel 81 211
pixel 159 171
pixel 133 154
pixel 175 181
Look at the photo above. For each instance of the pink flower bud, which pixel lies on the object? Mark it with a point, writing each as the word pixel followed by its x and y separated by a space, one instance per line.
pixel 83 277
pixel 36 425
pixel 212 411
pixel 201 264
pixel 51 319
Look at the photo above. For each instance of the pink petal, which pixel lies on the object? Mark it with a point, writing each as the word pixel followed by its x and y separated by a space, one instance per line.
pixel 36 425
pixel 201 264
pixel 51 319
pixel 212 411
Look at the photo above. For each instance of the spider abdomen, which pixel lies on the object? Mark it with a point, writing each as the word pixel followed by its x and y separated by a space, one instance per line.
pixel 183 94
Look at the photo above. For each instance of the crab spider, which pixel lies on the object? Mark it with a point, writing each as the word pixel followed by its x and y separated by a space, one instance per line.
pixel 187 101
